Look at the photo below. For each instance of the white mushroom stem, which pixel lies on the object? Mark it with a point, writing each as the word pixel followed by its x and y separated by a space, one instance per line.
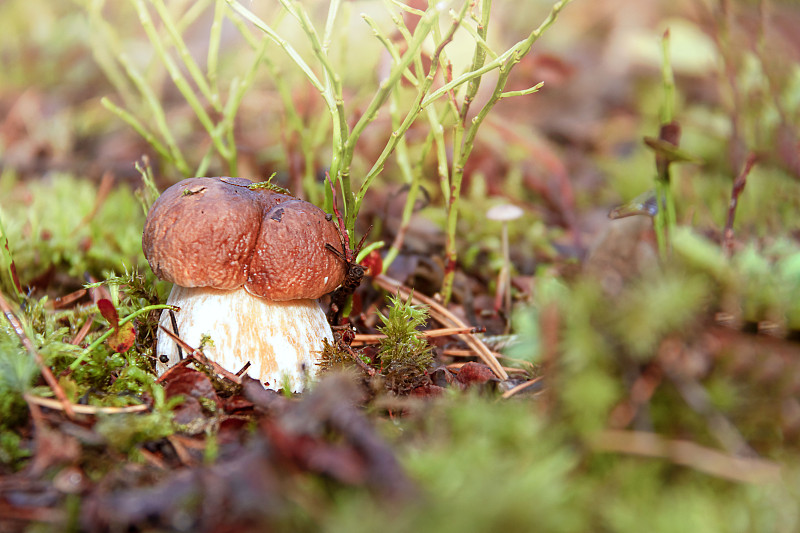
pixel 281 340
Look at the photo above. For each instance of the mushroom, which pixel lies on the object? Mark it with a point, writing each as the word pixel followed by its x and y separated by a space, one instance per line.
pixel 248 265
pixel 504 213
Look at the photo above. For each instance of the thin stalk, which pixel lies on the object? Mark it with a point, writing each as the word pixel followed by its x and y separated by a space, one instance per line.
pixel 407 8
pixel 332 93
pixel 134 123
pixel 293 119
pixel 668 82
pixel 196 8
pixel 478 59
pixel 409 176
pixel 665 219
pixel 390 47
pixel 464 148
pixel 105 49
pixel 157 112
pixel 186 57
pixel 78 360
pixel 277 39
pixel 519 50
pixel 214 40
pixel 180 82
pixel 423 28
pixel 9 268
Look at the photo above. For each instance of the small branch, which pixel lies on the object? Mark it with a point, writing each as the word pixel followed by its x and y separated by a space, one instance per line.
pixel 523 92
pixel 363 338
pixel 521 387
pixel 83 409
pixel 689 454
pixel 738 188
pixel 446 318
pixel 357 360
pixel 199 357
pixel 51 380
pixel 83 331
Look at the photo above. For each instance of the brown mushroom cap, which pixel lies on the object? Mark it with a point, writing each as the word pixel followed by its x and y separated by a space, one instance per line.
pixel 216 232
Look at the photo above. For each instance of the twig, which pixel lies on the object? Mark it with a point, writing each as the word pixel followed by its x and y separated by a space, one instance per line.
pixel 78 338
pixel 28 345
pixel 361 364
pixel 242 370
pixel 640 393
pixel 180 450
pixel 365 338
pixel 199 357
pixel 457 352
pixel 446 318
pixel 174 368
pixel 689 454
pixel 738 188
pixel 521 387
pixel 83 409
pixel 106 185
pixel 68 299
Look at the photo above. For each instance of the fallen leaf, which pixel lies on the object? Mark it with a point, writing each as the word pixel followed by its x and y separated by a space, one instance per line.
pixel 122 338
pixel 474 374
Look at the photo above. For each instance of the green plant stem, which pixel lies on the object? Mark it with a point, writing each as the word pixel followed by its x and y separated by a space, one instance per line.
pixel 479 57
pixel 390 47
pixel 78 360
pixel 332 92
pixel 407 8
pixel 226 152
pixel 277 39
pixel 186 56
pixel 411 199
pixel 158 114
pixel 423 29
pixel 294 121
pixel 463 149
pixel 10 281
pixel 367 249
pixel 668 82
pixel 134 123
pixel 520 50
pixel 214 40
pixel 665 220
pixel 105 49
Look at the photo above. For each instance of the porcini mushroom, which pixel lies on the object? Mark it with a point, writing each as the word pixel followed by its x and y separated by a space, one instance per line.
pixel 248 265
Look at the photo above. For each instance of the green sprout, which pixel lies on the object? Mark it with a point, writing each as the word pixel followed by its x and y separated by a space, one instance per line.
pixel 404 353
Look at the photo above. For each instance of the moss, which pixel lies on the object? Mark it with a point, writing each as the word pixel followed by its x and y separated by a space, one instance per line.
pixel 404 354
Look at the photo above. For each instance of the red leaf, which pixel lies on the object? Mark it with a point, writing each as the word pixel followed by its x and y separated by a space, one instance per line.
pixel 373 263
pixel 108 311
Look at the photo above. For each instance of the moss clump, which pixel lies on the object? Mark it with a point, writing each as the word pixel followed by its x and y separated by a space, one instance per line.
pixel 404 354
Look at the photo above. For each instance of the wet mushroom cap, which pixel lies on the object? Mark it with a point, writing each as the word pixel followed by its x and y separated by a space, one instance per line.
pixel 216 232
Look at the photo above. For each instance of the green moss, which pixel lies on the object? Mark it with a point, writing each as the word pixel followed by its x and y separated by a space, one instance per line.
pixel 405 355
pixel 59 223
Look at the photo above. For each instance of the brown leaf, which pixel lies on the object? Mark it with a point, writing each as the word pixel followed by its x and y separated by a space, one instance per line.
pixel 427 391
pixel 193 386
pixel 474 374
